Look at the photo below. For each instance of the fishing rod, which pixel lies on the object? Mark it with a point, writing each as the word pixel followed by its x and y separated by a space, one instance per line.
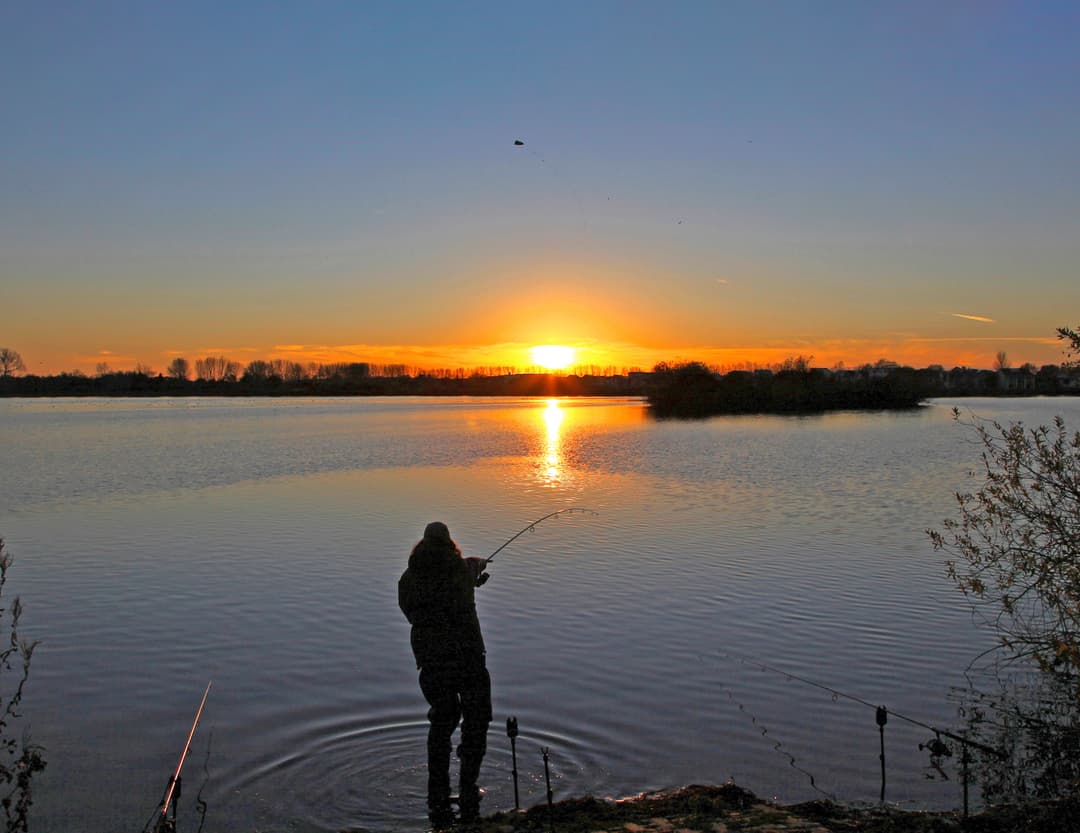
pixel 852 697
pixel 165 824
pixel 533 526
pixel 936 746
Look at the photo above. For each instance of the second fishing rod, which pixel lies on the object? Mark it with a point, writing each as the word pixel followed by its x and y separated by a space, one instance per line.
pixel 881 715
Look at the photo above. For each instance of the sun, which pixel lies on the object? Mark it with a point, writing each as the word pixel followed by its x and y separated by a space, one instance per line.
pixel 552 356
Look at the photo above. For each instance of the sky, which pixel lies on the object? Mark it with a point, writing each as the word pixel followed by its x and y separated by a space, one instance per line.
pixel 729 182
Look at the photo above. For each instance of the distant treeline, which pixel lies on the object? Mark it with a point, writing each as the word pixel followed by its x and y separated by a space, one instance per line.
pixel 692 389
pixel 682 389
pixel 359 382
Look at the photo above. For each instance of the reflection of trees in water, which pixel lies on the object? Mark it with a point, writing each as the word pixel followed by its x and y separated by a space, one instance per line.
pixel 1033 720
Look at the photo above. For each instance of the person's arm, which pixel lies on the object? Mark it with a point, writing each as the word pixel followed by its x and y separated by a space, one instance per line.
pixel 476 570
pixel 406 590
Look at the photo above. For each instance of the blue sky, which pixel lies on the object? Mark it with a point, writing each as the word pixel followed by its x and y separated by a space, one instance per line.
pixel 723 180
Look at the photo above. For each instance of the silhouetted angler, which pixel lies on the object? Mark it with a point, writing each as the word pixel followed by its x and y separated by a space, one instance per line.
pixel 437 595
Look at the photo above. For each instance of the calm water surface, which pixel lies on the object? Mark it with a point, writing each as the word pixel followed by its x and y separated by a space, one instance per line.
pixel 164 543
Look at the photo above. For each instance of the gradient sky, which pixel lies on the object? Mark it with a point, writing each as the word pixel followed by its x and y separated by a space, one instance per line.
pixel 721 181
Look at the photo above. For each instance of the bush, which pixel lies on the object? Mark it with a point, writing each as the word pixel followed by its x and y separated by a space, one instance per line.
pixel 1016 545
pixel 20 759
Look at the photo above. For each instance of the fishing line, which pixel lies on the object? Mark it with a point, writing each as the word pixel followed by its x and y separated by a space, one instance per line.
pixel 533 526
pixel 836 693
pixel 777 745
pixel 200 804
pixel 822 686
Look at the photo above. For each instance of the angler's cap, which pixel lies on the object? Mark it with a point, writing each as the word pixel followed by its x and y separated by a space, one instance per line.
pixel 437 532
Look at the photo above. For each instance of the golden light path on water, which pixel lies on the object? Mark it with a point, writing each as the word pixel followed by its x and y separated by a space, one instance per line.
pixel 552 462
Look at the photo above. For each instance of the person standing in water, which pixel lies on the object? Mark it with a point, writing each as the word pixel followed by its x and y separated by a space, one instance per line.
pixel 437 595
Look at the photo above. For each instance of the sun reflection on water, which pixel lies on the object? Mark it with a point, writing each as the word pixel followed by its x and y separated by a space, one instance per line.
pixel 551 463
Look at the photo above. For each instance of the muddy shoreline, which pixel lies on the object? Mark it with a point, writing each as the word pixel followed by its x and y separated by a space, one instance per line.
pixel 720 809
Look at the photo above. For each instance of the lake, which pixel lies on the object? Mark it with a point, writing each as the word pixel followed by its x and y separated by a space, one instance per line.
pixel 163 543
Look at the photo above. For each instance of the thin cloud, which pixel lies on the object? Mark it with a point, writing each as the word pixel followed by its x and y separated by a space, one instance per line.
pixel 107 356
pixel 974 339
pixel 225 351
pixel 981 318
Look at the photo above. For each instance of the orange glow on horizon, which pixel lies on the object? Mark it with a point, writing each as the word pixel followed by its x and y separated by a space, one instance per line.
pixel 588 355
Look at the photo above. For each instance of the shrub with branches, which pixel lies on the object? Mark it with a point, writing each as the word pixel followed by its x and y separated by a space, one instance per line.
pixel 20 759
pixel 1071 336
pixel 1032 720
pixel 1015 548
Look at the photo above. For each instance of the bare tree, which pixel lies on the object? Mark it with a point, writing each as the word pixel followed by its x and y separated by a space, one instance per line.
pixel 143 369
pixel 178 369
pixel 294 372
pixel 102 369
pixel 1001 361
pixel 217 369
pixel 10 362
pixel 258 370
pixel 281 370
pixel 797 364
pixel 391 370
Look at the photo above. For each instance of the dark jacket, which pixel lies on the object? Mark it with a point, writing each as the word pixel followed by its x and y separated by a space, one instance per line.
pixel 437 595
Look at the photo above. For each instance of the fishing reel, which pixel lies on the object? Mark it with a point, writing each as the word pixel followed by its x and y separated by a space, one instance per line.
pixel 938 750
pixel 478 566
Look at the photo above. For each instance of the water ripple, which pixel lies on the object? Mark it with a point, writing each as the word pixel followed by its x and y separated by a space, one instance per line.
pixel 343 771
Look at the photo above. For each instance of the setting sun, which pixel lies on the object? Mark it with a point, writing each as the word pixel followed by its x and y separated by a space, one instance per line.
pixel 552 356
